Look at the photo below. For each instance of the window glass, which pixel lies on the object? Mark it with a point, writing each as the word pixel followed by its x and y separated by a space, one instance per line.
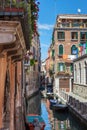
pixel 74 35
pixel 61 35
pixel 61 66
pixel 74 50
pixel 83 36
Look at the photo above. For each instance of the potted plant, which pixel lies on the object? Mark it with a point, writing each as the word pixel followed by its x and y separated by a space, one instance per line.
pixel 32 62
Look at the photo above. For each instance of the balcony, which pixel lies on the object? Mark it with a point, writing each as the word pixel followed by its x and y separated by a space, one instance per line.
pixel 24 11
pixel 71 25
pixel 78 25
pixel 63 73
pixel 63 25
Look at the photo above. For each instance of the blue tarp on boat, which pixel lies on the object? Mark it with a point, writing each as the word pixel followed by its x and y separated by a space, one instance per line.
pixel 30 119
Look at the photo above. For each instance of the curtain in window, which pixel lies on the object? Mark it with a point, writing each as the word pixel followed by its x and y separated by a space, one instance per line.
pixel 74 50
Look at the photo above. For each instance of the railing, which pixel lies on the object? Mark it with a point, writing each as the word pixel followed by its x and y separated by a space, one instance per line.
pixel 72 25
pixel 64 95
pixel 18 6
pixel 63 25
pixel 79 106
pixel 81 25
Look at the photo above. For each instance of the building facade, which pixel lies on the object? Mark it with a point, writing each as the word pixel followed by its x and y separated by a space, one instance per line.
pixel 15 41
pixel 70 32
pixel 32 67
pixel 80 76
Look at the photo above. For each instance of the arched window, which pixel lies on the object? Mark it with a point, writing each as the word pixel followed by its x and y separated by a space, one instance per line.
pixel 85 72
pixel 74 50
pixel 80 72
pixel 60 49
pixel 75 74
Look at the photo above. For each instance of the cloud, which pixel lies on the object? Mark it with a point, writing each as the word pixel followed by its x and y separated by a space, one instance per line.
pixel 45 26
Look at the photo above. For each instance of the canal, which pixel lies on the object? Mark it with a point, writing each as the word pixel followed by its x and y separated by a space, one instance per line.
pixel 54 120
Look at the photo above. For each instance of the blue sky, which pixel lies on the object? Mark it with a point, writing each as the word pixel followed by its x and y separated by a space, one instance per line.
pixel 49 9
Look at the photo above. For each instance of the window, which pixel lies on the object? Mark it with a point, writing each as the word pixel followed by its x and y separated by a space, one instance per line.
pixel 74 35
pixel 71 67
pixel 61 67
pixel 80 72
pixel 60 49
pixel 75 74
pixel 83 36
pixel 61 35
pixel 53 53
pixel 85 72
pixel 74 50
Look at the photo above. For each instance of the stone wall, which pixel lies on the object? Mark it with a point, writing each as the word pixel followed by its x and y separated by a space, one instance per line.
pixel 80 90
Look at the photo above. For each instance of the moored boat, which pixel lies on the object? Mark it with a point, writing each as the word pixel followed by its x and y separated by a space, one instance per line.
pixel 50 95
pixel 35 121
pixel 59 106
pixel 53 102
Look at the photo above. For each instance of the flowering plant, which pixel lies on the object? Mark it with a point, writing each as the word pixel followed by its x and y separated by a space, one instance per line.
pixel 34 15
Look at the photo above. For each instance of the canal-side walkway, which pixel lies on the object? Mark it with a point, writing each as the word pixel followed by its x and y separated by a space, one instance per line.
pixel 78 106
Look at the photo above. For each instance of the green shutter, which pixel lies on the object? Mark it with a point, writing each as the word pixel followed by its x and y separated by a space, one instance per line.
pixel 86 36
pixel 60 49
pixel 53 53
pixel 76 35
pixel 63 35
pixel 58 67
pixel 64 66
pixel 80 35
pixel 71 67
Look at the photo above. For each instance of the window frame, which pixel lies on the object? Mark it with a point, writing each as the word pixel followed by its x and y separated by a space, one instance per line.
pixel 59 49
pixel 60 35
pixel 72 49
pixel 63 67
pixel 74 39
pixel 84 38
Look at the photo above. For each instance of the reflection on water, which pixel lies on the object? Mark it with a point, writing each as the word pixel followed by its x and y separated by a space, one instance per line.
pixel 34 105
pixel 44 114
pixel 61 120
pixel 66 121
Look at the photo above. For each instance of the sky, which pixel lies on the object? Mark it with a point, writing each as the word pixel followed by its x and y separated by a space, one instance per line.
pixel 48 11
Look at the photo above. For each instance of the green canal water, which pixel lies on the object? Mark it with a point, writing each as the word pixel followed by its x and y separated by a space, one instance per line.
pixel 60 120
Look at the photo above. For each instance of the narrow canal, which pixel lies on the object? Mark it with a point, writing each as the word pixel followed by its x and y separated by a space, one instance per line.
pixel 54 120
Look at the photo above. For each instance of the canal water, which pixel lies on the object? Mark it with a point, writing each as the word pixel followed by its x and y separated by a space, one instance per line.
pixel 54 120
